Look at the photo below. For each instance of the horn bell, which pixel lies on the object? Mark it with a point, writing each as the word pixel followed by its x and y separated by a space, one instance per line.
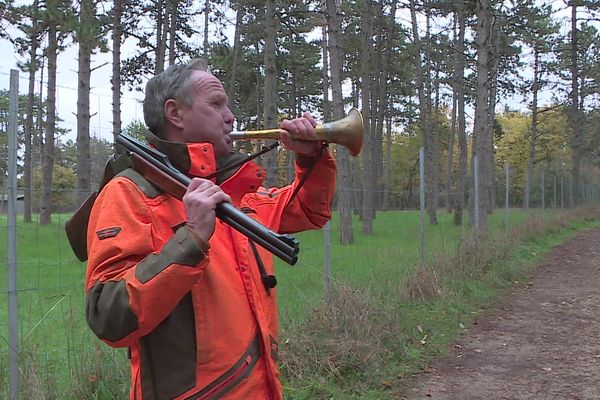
pixel 348 132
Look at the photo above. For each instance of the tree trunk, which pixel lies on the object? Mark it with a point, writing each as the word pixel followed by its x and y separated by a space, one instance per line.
pixel 383 106
pixel 117 30
pixel 534 134
pixel 173 6
pixel 28 165
pixel 576 119
pixel 325 70
pixel 86 39
pixel 162 27
pixel 424 118
pixel 206 21
pixel 368 202
pixel 482 93
pixel 270 100
pixel 432 152
pixel 491 119
pixel 459 74
pixel 48 155
pixel 387 174
pixel 236 54
pixel 450 159
pixel 378 103
pixel 334 25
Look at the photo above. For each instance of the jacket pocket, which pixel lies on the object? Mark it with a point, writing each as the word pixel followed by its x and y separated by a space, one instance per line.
pixel 230 379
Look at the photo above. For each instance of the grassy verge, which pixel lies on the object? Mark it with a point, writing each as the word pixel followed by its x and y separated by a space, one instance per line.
pixel 368 343
pixel 382 323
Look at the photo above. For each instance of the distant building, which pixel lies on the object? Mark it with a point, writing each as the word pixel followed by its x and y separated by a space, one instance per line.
pixel 4 203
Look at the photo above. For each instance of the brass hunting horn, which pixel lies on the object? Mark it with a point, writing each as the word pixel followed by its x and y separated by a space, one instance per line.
pixel 348 132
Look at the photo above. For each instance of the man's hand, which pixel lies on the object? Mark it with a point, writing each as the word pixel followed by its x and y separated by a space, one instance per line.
pixel 304 130
pixel 200 201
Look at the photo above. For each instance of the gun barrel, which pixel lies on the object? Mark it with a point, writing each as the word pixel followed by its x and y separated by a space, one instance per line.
pixel 285 247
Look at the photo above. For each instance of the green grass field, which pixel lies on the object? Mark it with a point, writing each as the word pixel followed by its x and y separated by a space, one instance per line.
pixel 60 358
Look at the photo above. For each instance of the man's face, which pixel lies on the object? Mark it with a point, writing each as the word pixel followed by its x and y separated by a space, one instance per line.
pixel 208 119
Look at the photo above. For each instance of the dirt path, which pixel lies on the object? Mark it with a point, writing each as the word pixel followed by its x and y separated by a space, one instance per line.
pixel 543 344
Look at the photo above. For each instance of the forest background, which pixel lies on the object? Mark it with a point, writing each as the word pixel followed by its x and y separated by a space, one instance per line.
pixel 437 75
pixel 428 74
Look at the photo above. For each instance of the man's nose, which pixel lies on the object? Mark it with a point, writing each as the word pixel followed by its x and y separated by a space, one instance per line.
pixel 229 117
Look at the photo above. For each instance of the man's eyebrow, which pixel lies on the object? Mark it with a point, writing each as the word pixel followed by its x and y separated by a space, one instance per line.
pixel 218 95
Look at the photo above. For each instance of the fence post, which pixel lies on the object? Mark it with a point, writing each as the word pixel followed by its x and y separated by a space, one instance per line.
pixel 422 207
pixel 543 192
pixel 13 308
pixel 328 260
pixel 562 191
pixel 506 195
pixel 476 200
pixel 554 188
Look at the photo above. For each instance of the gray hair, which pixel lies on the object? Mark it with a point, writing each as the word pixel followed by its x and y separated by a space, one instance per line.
pixel 173 83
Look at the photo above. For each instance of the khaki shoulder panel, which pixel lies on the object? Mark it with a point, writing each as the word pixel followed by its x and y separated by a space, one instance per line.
pixel 145 186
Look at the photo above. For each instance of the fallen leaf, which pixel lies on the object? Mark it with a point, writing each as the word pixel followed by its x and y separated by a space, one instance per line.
pixel 386 383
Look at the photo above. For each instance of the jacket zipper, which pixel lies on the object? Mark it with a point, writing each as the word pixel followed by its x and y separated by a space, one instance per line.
pixel 231 378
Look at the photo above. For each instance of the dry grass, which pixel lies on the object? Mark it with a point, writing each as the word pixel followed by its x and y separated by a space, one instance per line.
pixel 34 384
pixel 423 283
pixel 348 333
pixel 474 257
pixel 352 333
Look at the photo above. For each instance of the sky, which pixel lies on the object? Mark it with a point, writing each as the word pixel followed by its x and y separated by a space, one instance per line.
pixel 100 97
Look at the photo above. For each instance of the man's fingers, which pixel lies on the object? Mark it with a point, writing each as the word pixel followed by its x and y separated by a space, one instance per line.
pixel 199 183
pixel 219 197
pixel 310 118
pixel 300 127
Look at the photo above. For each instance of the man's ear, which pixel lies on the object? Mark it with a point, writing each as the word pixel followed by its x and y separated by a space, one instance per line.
pixel 173 113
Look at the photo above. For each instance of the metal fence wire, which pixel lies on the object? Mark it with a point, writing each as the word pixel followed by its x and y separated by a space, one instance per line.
pixel 46 346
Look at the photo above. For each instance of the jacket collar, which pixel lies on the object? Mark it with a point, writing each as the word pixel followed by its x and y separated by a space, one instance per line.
pixel 193 159
pixel 198 160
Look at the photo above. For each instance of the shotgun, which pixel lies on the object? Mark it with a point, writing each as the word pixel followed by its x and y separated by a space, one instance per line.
pixel 158 170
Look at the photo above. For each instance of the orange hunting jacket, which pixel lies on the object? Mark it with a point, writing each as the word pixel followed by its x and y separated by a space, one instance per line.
pixel 199 323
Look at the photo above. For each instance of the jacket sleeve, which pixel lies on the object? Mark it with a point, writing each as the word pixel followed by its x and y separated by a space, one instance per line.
pixel 134 277
pixel 310 208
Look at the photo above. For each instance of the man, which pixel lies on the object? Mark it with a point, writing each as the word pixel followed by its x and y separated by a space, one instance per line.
pixel 193 299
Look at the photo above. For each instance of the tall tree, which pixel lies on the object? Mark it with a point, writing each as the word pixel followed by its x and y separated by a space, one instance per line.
pixel 334 26
pixel 32 43
pixel 270 100
pixel 424 115
pixel 384 104
pixel 536 34
pixel 233 76
pixel 88 35
pixel 52 22
pixel 170 26
pixel 482 93
pixel 115 80
pixel 575 114
pixel 459 90
pixel 368 203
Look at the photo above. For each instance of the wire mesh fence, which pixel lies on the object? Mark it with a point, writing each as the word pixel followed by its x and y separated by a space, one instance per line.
pixel 55 355
pixel 58 354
